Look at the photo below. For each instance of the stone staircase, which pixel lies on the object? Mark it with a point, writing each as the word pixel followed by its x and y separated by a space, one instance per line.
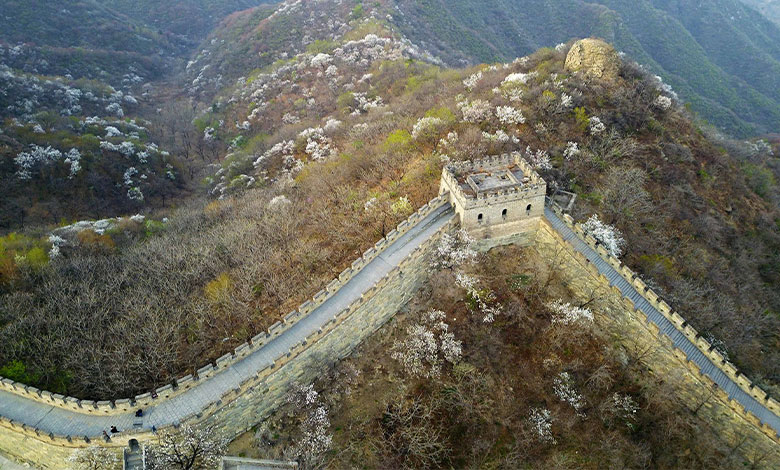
pixel 133 458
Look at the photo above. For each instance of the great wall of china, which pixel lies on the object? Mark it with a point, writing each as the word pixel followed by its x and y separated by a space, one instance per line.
pixel 501 201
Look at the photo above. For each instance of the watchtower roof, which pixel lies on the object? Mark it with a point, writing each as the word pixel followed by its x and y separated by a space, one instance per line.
pixel 495 179
pixel 491 176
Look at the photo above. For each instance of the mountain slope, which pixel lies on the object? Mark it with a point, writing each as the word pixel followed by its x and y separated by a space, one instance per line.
pixel 192 19
pixel 769 8
pixel 720 55
pixel 78 23
pixel 80 89
pixel 332 131
pixel 103 39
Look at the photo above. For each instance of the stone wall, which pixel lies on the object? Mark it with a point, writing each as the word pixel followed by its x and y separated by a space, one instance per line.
pixel 449 182
pixel 675 318
pixel 492 216
pixel 241 408
pixel 631 329
pixel 43 451
pixel 183 384
pixel 521 233
pixel 257 399
pixel 238 410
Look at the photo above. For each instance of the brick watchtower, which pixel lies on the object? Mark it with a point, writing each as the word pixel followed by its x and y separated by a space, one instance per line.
pixel 499 199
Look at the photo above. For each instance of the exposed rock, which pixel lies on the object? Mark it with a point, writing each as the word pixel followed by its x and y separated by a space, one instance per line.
pixel 99 226
pixel 595 58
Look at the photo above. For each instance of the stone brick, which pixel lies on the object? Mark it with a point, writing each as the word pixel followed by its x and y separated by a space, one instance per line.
pixel 727 418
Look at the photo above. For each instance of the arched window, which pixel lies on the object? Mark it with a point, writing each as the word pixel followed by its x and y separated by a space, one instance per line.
pixel 528 209
pixel 479 218
pixel 503 213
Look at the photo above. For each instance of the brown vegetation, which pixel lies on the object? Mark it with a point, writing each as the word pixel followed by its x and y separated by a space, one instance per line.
pixel 476 413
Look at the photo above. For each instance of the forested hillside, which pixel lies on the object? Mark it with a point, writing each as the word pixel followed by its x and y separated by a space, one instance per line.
pixel 236 178
pixel 720 55
pixel 192 19
pixel 90 123
pixel 770 8
pixel 328 148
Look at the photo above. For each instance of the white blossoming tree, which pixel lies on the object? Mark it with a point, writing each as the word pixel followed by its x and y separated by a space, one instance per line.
pixel 540 159
pixel 427 346
pixel 314 425
pixel 427 128
pixel 500 137
pixel 509 115
pixel 605 234
pixel 481 300
pixel 475 111
pixel 567 314
pixel 566 391
pixel 28 162
pixel 319 147
pixel 454 250
pixel 541 425
pixel 94 458
pixel 595 126
pixel 662 102
pixel 472 81
pixel 619 408
pixel 572 150
pixel 209 134
pixel 187 448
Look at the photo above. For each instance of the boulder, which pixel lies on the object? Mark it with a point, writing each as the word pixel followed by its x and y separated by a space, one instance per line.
pixel 594 58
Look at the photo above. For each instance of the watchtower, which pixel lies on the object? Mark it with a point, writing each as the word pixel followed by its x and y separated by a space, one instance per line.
pixel 499 199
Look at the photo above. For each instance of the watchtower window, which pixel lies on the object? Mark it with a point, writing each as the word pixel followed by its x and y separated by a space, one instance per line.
pixel 528 209
pixel 503 213
pixel 479 218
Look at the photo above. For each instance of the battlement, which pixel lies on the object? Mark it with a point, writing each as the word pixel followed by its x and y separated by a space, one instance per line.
pixel 496 178
pixel 182 384
pixel 499 200
pixel 745 389
pixel 495 197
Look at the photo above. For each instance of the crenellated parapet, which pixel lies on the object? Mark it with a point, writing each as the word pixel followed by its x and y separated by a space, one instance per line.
pixel 45 448
pixel 700 343
pixel 182 384
pixel 455 174
pixel 499 199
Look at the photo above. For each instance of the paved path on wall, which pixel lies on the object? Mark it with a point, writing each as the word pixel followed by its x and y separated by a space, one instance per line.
pixel 64 422
pixel 680 340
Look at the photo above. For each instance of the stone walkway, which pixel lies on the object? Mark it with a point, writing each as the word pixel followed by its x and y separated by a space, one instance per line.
pixel 65 422
pixel 680 340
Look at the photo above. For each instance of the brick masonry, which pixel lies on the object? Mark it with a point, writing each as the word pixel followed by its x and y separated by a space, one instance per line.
pixel 256 397
pixel 630 328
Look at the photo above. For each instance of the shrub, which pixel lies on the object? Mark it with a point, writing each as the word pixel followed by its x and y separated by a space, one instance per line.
pixel 760 180
pixel 346 101
pixel 94 241
pixel 16 370
pixel 36 258
pixel 218 289
pixel 399 139
pixel 583 121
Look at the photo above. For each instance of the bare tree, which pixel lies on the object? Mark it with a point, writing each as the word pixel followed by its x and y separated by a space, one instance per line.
pixel 625 197
pixel 187 448
pixel 411 436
